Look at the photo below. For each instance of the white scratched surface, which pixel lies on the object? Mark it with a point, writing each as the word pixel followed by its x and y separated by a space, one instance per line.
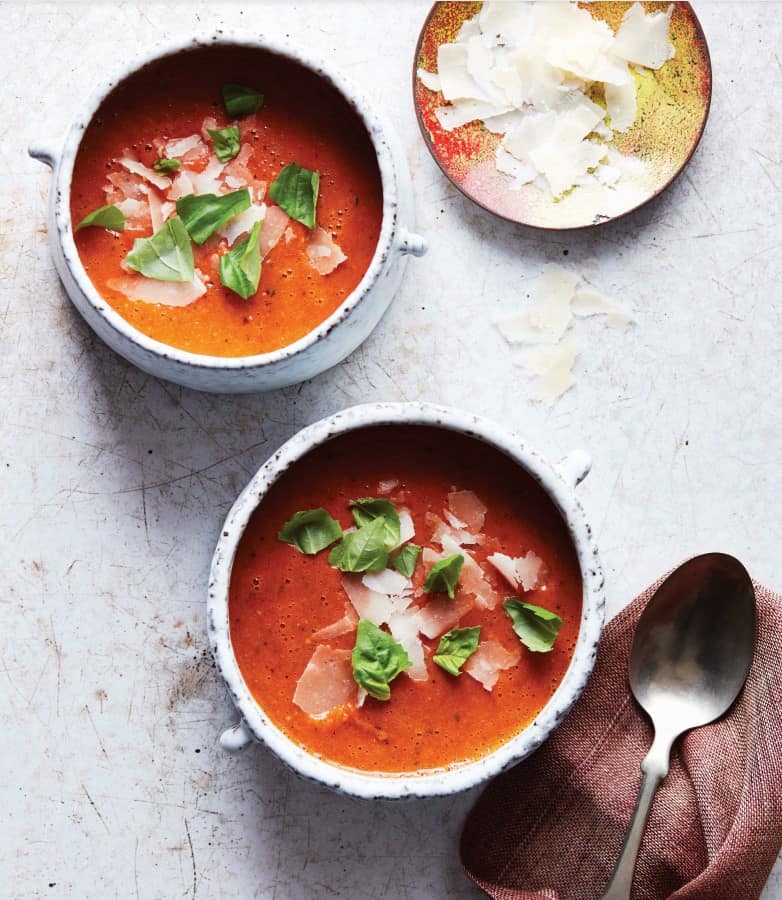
pixel 114 484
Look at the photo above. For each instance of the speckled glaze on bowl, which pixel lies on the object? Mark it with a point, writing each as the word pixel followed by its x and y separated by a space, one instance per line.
pixel 321 348
pixel 558 481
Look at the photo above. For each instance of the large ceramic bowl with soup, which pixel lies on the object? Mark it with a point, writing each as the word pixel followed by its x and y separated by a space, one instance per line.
pixel 405 600
pixel 230 214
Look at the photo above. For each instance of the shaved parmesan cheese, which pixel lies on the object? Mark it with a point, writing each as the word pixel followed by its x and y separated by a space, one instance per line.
pixel 342 626
pixel 468 507
pixel 373 605
pixel 274 224
pixel 429 80
pixel 521 572
pixel 404 628
pixel 150 175
pixel 463 111
pixel 441 613
pixel 181 187
pixel 643 39
pixel 549 317
pixel 180 146
pixel 326 683
pixel 124 186
pixel 243 223
pixel 471 579
pixel 387 486
pixel 448 531
pixel 389 581
pixel 505 23
pixel 456 83
pixel 406 527
pixel 155 211
pixel 489 660
pixel 621 105
pixel 323 253
pixel 526 71
pixel 136 212
pixel 593 303
pixel 208 181
pixel 166 293
pixel 553 366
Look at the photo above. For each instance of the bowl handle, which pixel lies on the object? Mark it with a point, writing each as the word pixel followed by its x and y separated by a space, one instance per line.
pixel 236 738
pixel 45 151
pixel 408 242
pixel 575 467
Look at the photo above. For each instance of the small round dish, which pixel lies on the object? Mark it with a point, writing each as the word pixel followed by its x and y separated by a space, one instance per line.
pixel 558 482
pixel 673 106
pixel 320 349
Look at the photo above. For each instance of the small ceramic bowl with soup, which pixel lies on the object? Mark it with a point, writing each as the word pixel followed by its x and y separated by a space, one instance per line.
pixel 231 214
pixel 405 600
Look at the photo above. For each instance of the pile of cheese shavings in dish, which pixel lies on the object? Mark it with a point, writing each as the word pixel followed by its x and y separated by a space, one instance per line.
pixel 556 299
pixel 147 199
pixel 388 598
pixel 529 71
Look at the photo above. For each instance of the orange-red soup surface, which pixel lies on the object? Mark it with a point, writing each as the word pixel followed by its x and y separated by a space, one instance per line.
pixel 302 120
pixel 279 597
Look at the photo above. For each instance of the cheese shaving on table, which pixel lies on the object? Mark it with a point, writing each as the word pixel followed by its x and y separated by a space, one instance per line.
pixel 489 660
pixel 555 297
pixel 326 683
pixel 593 303
pixel 554 367
pixel 526 70
pixel 520 571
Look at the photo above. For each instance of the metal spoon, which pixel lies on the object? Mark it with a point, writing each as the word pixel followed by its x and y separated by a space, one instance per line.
pixel 690 657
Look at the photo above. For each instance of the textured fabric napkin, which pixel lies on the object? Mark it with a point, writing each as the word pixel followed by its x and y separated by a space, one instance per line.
pixel 552 827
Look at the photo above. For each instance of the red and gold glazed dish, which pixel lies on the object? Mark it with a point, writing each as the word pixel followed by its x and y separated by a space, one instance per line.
pixel 670 108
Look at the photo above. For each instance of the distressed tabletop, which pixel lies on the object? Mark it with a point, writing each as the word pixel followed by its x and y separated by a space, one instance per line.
pixel 115 484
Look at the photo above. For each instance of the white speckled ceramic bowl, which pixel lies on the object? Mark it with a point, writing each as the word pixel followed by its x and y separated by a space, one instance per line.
pixel 558 481
pixel 317 351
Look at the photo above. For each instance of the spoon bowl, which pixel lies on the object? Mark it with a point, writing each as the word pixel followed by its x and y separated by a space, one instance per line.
pixel 691 654
pixel 694 642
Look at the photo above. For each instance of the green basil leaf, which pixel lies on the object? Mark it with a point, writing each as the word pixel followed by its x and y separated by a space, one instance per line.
pixel 444 576
pixel 404 562
pixel 240 100
pixel 311 530
pixel 166 256
pixel 295 190
pixel 203 214
pixel 167 165
pixel 362 550
pixel 455 648
pixel 226 142
pixel 240 268
pixel 377 660
pixel 367 509
pixel 537 628
pixel 105 217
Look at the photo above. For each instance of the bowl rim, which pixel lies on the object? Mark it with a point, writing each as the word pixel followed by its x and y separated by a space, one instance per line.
pixel 688 7
pixel 377 127
pixel 429 783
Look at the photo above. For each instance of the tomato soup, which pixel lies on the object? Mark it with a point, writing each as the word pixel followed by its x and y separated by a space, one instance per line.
pixel 299 625
pixel 155 140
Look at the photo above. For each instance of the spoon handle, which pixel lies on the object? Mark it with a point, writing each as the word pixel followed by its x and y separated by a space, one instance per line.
pixel 654 768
